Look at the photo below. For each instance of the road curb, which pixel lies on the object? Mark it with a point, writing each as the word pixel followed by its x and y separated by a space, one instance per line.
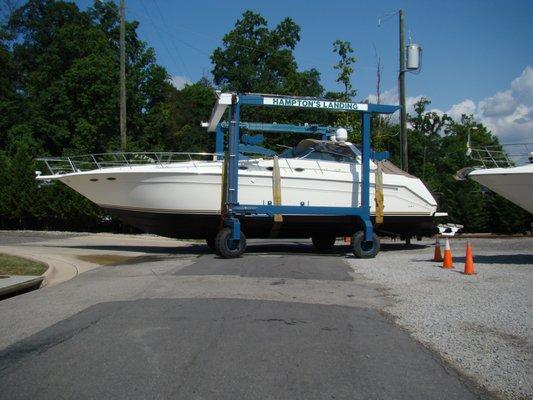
pixel 46 275
pixel 21 283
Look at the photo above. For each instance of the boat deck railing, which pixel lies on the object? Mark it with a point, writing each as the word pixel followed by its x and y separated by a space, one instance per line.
pixel 502 156
pixel 89 162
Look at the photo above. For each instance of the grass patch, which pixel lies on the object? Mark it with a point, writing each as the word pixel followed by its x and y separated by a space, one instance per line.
pixel 11 265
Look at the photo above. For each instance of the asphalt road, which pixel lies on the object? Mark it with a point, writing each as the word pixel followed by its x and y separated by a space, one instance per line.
pixel 280 323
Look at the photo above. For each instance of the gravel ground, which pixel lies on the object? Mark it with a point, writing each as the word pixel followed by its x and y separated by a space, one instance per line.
pixel 483 324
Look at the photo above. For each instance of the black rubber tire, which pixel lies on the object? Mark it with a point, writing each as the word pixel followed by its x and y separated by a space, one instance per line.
pixel 364 249
pixel 226 247
pixel 323 242
pixel 210 241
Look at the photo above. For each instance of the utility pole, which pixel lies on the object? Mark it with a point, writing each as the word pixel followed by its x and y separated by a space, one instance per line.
pixel 122 77
pixel 404 162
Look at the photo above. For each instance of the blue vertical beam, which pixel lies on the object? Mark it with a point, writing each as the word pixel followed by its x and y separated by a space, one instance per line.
pixel 219 141
pixel 233 155
pixel 365 174
pixel 232 163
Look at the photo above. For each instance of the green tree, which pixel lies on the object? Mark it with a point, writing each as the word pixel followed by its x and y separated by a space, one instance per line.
pixel 255 58
pixel 426 129
pixel 344 66
pixel 68 62
pixel 350 121
pixel 59 96
pixel 195 103
pixel 438 151
pixel 8 95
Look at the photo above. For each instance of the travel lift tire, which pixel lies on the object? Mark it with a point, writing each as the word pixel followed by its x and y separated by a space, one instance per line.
pixel 364 249
pixel 226 247
pixel 323 243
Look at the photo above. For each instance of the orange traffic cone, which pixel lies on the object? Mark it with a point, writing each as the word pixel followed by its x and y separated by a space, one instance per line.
pixel 469 261
pixel 448 261
pixel 438 255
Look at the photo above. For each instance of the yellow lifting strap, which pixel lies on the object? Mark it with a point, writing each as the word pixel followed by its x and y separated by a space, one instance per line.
pixel 378 194
pixel 223 209
pixel 276 188
pixel 276 196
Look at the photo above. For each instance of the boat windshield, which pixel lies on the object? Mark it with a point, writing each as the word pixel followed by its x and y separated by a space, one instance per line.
pixel 322 150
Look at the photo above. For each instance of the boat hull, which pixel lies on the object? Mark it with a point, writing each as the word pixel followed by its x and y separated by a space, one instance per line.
pixel 201 226
pixel 188 189
pixel 515 184
pixel 184 200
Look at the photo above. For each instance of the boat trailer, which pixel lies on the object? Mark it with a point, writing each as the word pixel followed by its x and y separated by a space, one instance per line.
pixel 230 242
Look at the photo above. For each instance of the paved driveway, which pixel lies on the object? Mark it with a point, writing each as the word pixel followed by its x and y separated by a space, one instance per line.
pixel 279 323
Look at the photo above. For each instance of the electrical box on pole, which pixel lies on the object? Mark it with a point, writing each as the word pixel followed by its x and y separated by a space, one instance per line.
pixel 413 56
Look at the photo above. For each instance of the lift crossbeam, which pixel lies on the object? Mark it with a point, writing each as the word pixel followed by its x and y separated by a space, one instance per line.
pixel 306 129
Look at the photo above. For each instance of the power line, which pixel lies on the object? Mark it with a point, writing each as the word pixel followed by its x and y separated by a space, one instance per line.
pixel 253 48
pixel 171 54
pixel 172 42
pixel 158 28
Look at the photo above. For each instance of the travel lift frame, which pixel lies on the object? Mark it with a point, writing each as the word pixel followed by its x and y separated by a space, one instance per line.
pixel 230 242
pixel 250 142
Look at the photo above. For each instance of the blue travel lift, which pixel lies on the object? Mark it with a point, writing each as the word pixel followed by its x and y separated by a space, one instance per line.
pixel 230 242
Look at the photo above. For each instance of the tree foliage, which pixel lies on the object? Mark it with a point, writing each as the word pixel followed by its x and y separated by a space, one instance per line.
pixel 60 96
pixel 344 66
pixel 437 150
pixel 255 58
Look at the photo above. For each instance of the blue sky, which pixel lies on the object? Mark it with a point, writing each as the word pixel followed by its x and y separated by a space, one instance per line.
pixel 476 53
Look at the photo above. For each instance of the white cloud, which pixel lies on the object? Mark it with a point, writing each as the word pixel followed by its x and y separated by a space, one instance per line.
pixel 387 97
pixel 464 107
pixel 499 105
pixel 391 97
pixel 517 126
pixel 437 111
pixel 179 82
pixel 508 113
pixel 523 85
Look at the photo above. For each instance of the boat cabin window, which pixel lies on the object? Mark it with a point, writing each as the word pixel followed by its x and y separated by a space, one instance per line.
pixel 322 150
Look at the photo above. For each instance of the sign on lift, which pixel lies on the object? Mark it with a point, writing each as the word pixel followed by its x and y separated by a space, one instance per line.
pixel 312 103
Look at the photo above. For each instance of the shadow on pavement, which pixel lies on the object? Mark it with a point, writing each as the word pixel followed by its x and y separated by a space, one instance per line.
pixel 273 247
pixel 285 248
pixel 192 249
pixel 517 259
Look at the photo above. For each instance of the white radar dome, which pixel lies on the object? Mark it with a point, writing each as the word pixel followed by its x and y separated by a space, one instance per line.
pixel 341 134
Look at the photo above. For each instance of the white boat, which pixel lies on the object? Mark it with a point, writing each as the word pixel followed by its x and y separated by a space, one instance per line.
pixel 513 183
pixel 497 171
pixel 159 194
